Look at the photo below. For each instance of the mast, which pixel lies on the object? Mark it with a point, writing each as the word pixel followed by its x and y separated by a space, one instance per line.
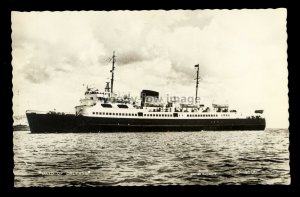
pixel 197 82
pixel 112 72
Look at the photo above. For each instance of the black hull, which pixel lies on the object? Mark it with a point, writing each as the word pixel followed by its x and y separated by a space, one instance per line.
pixel 55 123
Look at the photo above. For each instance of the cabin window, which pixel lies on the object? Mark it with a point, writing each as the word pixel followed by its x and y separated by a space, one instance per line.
pixel 109 113
pixel 113 113
pixel 97 113
pixel 150 114
pixel 140 113
pixel 93 112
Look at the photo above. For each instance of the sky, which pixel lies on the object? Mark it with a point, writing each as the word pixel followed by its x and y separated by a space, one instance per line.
pixel 242 57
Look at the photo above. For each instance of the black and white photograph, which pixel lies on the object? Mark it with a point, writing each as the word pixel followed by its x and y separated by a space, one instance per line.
pixel 150 98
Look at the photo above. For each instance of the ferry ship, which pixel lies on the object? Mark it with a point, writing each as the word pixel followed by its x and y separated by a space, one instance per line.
pixel 104 111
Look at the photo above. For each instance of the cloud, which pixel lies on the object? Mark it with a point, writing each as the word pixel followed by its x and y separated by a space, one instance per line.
pixel 36 74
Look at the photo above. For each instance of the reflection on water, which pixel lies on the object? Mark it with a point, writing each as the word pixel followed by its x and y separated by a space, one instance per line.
pixel 162 158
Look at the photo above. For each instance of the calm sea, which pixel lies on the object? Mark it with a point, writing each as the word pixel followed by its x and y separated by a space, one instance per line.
pixel 162 158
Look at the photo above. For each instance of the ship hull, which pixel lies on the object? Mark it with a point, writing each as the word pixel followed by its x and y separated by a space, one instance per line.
pixel 57 123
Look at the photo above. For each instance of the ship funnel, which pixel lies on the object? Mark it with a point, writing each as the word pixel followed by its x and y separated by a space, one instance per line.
pixel 148 95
